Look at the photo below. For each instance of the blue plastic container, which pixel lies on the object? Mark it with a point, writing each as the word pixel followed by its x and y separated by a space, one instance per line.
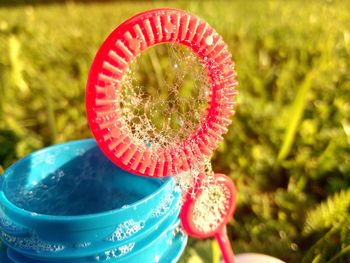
pixel 69 203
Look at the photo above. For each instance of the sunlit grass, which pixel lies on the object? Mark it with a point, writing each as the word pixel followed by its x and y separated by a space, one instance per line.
pixel 288 146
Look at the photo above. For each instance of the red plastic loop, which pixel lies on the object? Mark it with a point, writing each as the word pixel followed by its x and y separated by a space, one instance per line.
pixel 112 60
pixel 187 210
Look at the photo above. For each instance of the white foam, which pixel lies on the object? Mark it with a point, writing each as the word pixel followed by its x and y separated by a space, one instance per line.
pixel 33 243
pixel 126 230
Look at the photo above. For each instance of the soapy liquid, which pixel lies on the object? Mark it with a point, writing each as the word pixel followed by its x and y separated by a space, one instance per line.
pixel 74 181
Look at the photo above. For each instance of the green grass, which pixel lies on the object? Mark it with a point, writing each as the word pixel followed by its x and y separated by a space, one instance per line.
pixel 288 146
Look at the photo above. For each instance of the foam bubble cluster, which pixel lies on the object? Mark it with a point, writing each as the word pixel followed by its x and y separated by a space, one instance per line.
pixel 115 253
pixel 126 230
pixel 164 107
pixel 210 207
pixel 164 205
pixel 33 243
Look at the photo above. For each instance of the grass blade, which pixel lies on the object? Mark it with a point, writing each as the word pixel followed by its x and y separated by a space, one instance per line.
pixel 296 112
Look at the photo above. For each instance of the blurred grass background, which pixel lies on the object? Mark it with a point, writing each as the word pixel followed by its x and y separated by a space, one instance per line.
pixel 288 147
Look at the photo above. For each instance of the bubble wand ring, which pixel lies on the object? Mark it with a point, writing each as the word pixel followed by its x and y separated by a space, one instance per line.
pixel 112 61
pixel 220 204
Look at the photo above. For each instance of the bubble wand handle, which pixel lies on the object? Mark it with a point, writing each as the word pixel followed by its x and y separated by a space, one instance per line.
pixel 219 231
pixel 225 246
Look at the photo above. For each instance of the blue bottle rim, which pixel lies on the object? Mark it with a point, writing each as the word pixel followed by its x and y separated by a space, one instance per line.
pixel 28 218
